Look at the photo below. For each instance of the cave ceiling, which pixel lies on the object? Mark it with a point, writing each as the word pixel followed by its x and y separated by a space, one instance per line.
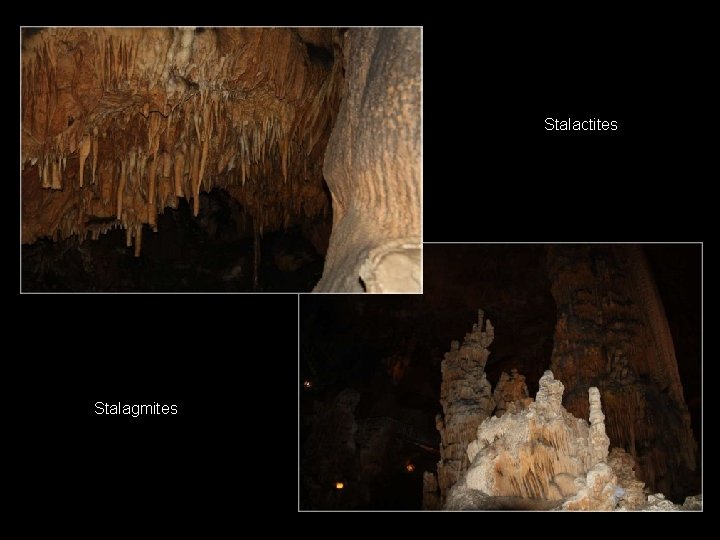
pixel 119 123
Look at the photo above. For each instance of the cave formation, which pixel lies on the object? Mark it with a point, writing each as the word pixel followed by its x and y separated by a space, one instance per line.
pixel 297 146
pixel 620 318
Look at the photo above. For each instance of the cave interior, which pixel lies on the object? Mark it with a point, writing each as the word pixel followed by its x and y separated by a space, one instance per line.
pixel 370 374
pixel 176 159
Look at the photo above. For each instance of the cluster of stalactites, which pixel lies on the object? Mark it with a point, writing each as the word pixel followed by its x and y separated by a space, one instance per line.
pixel 148 136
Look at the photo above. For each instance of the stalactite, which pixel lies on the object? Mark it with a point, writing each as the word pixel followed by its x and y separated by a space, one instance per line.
pixel 152 208
pixel 138 239
pixel 195 177
pixel 121 188
pixel 94 153
pixel 85 146
pixel 179 169
pixel 56 183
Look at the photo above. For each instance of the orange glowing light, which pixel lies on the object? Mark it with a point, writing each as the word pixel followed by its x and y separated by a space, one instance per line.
pixel 339 485
pixel 307 384
pixel 409 467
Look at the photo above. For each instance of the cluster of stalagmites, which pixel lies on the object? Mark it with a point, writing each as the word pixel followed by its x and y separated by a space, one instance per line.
pixel 531 455
pixel 541 458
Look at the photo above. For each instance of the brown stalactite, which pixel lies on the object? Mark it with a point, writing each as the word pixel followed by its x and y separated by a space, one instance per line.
pixel 612 333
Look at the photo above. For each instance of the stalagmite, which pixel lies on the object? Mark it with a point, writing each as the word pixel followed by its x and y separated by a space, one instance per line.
pixel 466 398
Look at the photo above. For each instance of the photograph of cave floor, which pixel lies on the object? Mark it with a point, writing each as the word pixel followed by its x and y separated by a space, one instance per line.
pixel 220 159
pixel 526 377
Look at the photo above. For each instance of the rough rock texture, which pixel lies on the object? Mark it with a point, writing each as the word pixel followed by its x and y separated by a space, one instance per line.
pixel 623 465
pixel 117 124
pixel 598 490
pixel 466 398
pixel 511 393
pixel 693 502
pixel 431 498
pixel 612 333
pixel 543 458
pixel 658 503
pixel 372 166
pixel 537 453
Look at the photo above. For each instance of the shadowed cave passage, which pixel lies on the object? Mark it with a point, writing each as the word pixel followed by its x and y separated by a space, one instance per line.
pixel 213 252
pixel 373 364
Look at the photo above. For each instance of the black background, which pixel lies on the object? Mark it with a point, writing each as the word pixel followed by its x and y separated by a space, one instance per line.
pixel 491 174
pixel 228 361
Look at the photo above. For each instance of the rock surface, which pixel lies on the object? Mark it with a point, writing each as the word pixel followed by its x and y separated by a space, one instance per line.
pixel 543 458
pixel 536 453
pixel 466 398
pixel 511 393
pixel 612 333
pixel 372 166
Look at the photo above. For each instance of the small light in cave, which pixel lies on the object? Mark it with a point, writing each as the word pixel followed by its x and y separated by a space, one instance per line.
pixel 409 467
pixel 308 384
pixel 339 485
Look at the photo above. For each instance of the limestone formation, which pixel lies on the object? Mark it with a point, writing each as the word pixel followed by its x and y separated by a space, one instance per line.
pixel 612 333
pixel 431 498
pixel 373 166
pixel 536 453
pixel 117 123
pixel 623 465
pixel 466 398
pixel 511 393
pixel 543 458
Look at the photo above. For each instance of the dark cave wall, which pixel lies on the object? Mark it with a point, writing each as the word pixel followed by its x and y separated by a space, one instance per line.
pixel 612 333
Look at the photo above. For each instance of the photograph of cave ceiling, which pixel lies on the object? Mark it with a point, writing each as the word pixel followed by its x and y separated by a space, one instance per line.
pixel 526 377
pixel 226 159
